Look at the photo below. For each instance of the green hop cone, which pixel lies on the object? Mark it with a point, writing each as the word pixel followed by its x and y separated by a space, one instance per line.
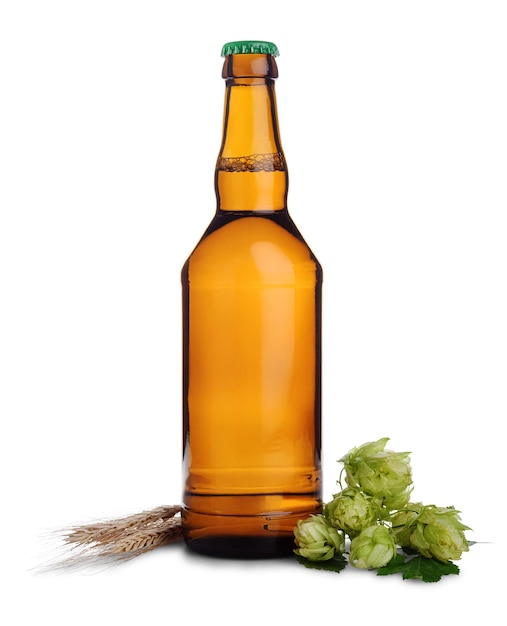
pixel 316 540
pixel 403 523
pixel 352 511
pixel 380 473
pixel 433 531
pixel 374 547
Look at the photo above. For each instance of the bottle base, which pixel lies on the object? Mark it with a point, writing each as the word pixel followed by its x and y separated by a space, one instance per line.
pixel 237 547
pixel 246 535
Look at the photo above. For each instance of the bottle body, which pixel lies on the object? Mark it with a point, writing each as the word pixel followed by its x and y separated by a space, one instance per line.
pixel 251 371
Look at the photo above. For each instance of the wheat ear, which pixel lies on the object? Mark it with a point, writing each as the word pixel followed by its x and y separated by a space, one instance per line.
pixel 119 539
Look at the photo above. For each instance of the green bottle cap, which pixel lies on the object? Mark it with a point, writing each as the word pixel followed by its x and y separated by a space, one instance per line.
pixel 250 47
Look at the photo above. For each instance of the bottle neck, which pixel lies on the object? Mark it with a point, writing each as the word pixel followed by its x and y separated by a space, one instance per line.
pixel 251 173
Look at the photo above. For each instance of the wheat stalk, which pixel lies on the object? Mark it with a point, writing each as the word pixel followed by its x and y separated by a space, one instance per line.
pixel 119 539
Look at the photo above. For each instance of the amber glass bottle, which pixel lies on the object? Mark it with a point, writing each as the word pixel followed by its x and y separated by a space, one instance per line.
pixel 251 339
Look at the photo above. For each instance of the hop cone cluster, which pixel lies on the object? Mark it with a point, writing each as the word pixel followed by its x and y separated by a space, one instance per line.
pixel 374 511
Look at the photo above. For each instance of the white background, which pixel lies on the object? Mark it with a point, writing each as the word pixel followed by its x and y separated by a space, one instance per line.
pixel 393 120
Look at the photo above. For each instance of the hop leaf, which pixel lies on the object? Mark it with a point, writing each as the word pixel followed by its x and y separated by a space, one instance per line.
pixel 418 567
pixel 336 564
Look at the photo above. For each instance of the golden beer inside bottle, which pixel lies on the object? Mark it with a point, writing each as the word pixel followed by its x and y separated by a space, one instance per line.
pixel 251 389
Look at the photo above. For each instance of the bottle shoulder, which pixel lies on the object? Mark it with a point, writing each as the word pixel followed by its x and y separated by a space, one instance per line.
pixel 256 224
pixel 266 247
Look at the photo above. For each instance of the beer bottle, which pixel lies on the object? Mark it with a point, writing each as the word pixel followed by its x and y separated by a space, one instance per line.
pixel 251 339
